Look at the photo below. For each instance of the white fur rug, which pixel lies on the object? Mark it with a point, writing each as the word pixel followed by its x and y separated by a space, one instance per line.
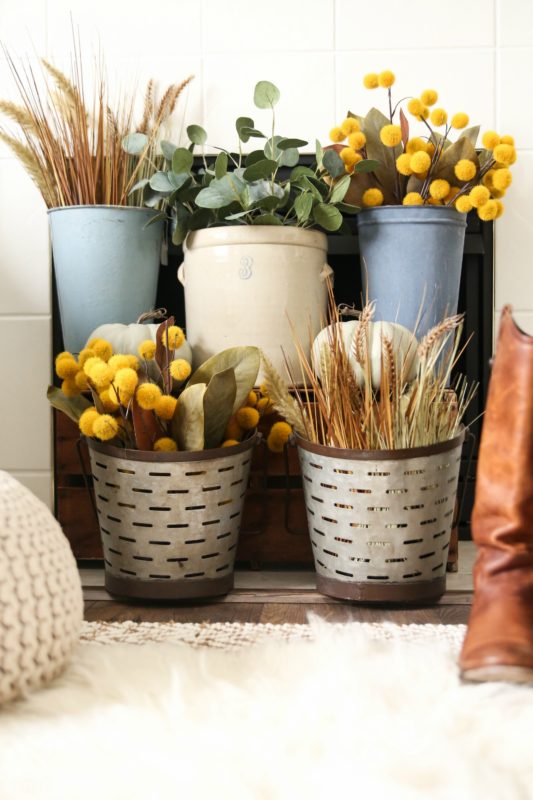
pixel 355 711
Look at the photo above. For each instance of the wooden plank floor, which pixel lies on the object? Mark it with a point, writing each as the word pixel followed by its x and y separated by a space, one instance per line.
pixel 279 597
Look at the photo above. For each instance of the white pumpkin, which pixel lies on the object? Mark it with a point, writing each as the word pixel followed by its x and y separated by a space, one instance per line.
pixel 126 339
pixel 404 345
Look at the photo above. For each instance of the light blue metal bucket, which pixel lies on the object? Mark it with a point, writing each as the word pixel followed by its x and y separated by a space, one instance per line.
pixel 106 263
pixel 411 259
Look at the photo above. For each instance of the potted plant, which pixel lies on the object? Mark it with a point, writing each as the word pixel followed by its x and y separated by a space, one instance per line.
pixel 380 451
pixel 415 201
pixel 251 226
pixel 104 251
pixel 169 475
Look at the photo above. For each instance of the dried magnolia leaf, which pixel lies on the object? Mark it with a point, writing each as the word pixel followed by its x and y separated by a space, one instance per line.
pixel 218 406
pixel 245 363
pixel 188 420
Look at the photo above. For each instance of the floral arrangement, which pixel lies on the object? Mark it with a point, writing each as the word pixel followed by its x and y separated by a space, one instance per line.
pixel 410 405
pixel 428 169
pixel 238 189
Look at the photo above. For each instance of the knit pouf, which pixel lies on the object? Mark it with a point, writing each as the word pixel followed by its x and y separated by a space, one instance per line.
pixel 41 607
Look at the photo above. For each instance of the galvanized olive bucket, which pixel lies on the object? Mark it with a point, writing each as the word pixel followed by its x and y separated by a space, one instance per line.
pixel 411 258
pixel 170 522
pixel 380 521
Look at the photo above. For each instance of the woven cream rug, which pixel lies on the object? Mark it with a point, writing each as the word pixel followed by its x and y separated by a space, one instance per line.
pixel 209 712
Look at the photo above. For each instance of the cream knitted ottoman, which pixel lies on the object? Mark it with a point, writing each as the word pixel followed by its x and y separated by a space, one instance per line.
pixel 41 605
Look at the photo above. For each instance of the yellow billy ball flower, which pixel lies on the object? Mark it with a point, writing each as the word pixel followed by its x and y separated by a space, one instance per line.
pixel 488 211
pixel 90 363
pixel 356 158
pixel 108 398
pixel 478 196
pixel 147 349
pixel 165 445
pixel 125 381
pixel 165 406
pixel 147 395
pixel 438 189
pixel 173 337
pixel 503 153
pixel 336 135
pixel 251 400
pixel 105 427
pixel 391 135
pixel 357 140
pixel 415 107
pixel 490 140
pixel 247 417
pixel 350 125
pixel 438 116
pixel 70 388
pixel 371 80
pixel 432 201
pixel 487 178
pixel 430 149
pixel 99 373
pixel 372 197
pixel 499 206
pixel 63 354
pixel 180 369
pixel 85 354
pixel 101 348
pixel 414 145
pixel 233 430
pixel 118 362
pixel 349 156
pixel 459 120
pixel 465 169
pixel 263 389
pixel 502 179
pixel 454 191
pixel 413 199
pixel 386 78
pixel 496 193
pixel 133 362
pixel 463 204
pixel 425 113
pixel 281 430
pixel 229 443
pixel 507 139
pixel 265 406
pixel 403 164
pixel 274 444
pixel 420 161
pixel 67 367
pixel 429 97
pixel 85 422
pixel 81 381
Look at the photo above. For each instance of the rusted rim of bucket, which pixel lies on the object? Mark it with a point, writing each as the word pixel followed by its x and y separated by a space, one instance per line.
pixel 196 455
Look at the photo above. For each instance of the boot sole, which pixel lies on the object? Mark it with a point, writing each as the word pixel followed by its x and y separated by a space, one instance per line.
pixel 502 673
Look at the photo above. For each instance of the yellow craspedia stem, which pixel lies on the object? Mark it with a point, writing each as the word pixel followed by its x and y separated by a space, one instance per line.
pixel 490 140
pixel 371 80
pixel 247 417
pixel 391 135
pixel 438 189
pixel 165 406
pixel 357 140
pixel 147 349
pixel 349 156
pixel 438 117
pixel 336 135
pixel 502 179
pixel 67 367
pixel 350 125
pixel 413 199
pixel 386 78
pixel 463 204
pixel 420 161
pixel 478 196
pixel 459 120
pixel 504 153
pixel 102 348
pixel 180 369
pixel 429 97
pixel 165 445
pixel 70 388
pixel 488 211
pixel 85 422
pixel 147 395
pixel 403 164
pixel 465 169
pixel 126 380
pixel 372 197
pixel 415 107
pixel 173 337
pixel 230 443
pixel 105 427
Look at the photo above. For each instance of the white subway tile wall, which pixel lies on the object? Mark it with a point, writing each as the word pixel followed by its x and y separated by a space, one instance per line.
pixel 475 53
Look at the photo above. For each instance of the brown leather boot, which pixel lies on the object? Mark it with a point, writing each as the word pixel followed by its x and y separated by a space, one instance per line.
pixel 499 639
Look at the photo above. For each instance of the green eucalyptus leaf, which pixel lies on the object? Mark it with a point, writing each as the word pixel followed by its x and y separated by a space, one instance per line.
pixel 267 219
pixel 339 190
pixel 182 160
pixel 251 132
pixel 269 202
pixel 260 170
pixel 187 424
pixel 139 185
pixel 289 158
pixel 221 165
pixel 328 217
pixel 201 218
pixel 319 154
pixel 73 407
pixel 221 192
pixel 286 144
pixel 178 181
pixel 196 134
pixel 245 362
pixel 259 190
pixel 308 184
pixel 168 149
pixel 348 208
pixel 303 206
pixel 333 163
pixel 135 143
pixel 367 165
pixel 151 199
pixel 298 171
pixel 219 398
pixel 254 157
pixel 266 95
pixel 238 215
pixel 240 124
pixel 159 182
pixel 319 184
